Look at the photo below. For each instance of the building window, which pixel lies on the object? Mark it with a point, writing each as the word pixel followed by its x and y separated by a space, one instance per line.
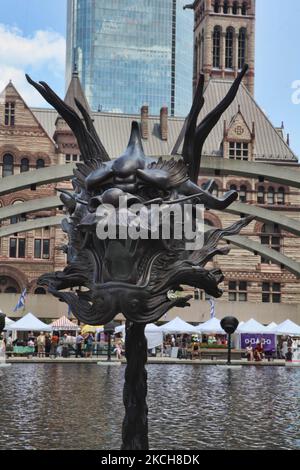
pixel 244 9
pixel 281 196
pixel 18 218
pixel 237 291
pixel 235 8
pixel 8 165
pixel 233 187
pixel 271 196
pixel 242 48
pixel 271 292
pixel 73 158
pixel 238 151
pixel 41 248
pixel 243 193
pixel 9 118
pixel 229 49
pixel 217 47
pixel 24 165
pixel 225 8
pixel 197 294
pixel 17 247
pixel 270 237
pixel 216 7
pixel 40 163
pixel 261 195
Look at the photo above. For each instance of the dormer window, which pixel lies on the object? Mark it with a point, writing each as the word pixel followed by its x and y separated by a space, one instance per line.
pixel 9 117
pixel 238 150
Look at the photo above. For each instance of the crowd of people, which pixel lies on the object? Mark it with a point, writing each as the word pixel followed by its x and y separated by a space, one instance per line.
pixel 58 344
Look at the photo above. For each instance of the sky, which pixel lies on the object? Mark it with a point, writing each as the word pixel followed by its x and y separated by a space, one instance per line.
pixel 32 40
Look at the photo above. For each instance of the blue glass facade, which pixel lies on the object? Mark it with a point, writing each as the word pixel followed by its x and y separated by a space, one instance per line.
pixel 132 52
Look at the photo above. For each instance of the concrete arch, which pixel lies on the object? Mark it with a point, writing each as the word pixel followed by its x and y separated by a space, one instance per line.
pixel 238 240
pixel 220 166
pixel 276 173
pixel 33 205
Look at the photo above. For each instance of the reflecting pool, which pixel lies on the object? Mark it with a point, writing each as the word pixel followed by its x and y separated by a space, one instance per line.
pixel 79 406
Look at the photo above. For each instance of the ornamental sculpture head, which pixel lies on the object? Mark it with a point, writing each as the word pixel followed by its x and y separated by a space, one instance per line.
pixel 133 275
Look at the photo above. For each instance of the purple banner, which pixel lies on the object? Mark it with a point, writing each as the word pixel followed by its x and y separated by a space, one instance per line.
pixel 268 341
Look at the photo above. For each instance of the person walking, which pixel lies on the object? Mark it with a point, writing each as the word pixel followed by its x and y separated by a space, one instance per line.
pixel 41 343
pixel 54 344
pixel 79 341
pixel 89 342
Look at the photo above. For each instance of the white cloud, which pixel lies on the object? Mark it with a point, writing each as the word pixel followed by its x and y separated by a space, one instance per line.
pixel 42 55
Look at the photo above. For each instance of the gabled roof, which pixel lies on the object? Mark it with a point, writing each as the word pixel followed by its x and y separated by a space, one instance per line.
pixel 10 92
pixel 269 145
pixel 114 129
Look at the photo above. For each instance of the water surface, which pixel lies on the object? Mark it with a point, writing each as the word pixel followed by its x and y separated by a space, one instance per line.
pixel 79 406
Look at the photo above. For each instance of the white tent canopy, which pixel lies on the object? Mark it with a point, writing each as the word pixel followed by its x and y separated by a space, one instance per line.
pixel 29 323
pixel 178 326
pixel 152 332
pixel 211 326
pixel 287 328
pixel 8 322
pixel 270 328
pixel 252 326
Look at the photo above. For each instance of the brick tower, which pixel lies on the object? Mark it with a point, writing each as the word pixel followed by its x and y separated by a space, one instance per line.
pixel 224 39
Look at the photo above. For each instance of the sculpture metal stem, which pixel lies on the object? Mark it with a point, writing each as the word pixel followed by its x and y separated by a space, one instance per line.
pixel 135 424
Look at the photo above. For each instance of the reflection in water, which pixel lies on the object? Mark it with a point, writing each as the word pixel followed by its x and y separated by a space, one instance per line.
pixel 79 406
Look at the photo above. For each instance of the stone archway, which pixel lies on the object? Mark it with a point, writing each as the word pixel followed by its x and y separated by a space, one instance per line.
pixel 8 285
pixel 12 278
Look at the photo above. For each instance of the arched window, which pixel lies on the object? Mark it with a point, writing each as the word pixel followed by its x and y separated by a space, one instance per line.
pixel 235 8
pixel 225 8
pixel 40 291
pixel 243 193
pixel 244 9
pixel 40 163
pixel 270 237
pixel 208 222
pixel 281 196
pixel 229 49
pixel 242 48
pixel 8 165
pixel 261 195
pixel 18 218
pixel 217 6
pixel 271 196
pixel 233 187
pixel 217 47
pixel 24 165
pixel 8 285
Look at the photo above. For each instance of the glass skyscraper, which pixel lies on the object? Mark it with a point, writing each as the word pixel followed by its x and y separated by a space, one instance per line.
pixel 132 52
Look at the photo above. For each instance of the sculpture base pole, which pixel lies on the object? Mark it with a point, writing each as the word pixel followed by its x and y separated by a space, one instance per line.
pixel 135 424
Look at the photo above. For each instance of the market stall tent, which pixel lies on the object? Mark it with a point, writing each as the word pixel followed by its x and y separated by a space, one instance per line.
pixel 270 328
pixel 211 326
pixel 287 328
pixel 64 324
pixel 29 323
pixel 153 335
pixel 8 322
pixel 252 326
pixel 178 326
